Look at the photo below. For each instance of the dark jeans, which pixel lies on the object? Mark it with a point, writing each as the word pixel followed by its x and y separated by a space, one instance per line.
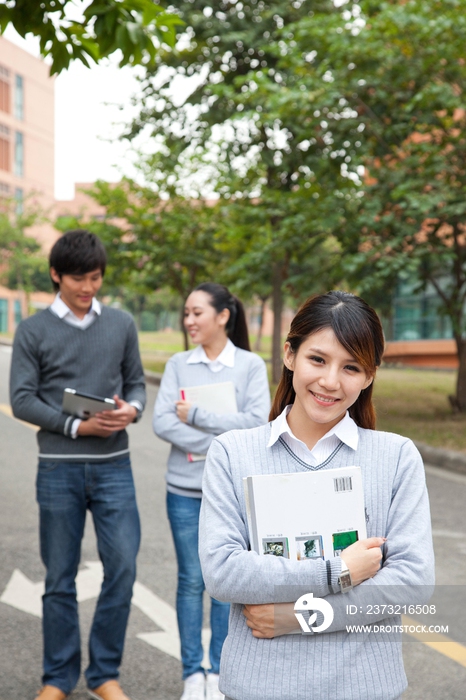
pixel 65 490
pixel 183 513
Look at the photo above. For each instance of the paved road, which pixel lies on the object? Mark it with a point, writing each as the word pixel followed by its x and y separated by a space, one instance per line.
pixel 147 672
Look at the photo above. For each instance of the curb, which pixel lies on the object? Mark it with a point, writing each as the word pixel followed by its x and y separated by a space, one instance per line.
pixel 153 377
pixel 447 459
pixel 6 341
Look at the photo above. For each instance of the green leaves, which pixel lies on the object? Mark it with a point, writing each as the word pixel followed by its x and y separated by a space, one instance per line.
pixel 138 28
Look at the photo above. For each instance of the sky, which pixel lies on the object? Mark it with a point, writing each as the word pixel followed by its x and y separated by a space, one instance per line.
pixel 87 112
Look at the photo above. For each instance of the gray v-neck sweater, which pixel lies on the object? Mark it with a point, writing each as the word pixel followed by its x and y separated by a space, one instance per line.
pixel 50 355
pixel 335 664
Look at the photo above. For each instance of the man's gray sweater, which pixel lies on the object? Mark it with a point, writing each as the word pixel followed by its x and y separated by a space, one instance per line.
pixel 50 355
pixel 336 664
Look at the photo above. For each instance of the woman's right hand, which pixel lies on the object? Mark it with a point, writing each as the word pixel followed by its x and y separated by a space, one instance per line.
pixel 363 558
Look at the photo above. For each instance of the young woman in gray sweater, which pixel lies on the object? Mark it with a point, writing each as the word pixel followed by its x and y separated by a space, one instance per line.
pixel 322 418
pixel 216 323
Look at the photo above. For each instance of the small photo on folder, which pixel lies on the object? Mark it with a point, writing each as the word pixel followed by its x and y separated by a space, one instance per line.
pixel 215 398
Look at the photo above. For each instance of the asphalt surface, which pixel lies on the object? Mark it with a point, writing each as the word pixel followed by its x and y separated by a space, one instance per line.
pixel 147 673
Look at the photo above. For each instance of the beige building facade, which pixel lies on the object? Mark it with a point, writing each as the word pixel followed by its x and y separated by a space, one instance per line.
pixel 26 124
pixel 26 151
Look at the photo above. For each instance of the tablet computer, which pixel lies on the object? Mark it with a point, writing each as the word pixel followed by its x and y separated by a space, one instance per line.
pixel 85 405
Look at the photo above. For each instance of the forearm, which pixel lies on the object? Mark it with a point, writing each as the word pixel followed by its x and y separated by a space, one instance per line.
pixel 186 438
pixel 216 424
pixel 31 409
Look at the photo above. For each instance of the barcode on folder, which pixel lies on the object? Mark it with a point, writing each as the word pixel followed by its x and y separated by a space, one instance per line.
pixel 343 483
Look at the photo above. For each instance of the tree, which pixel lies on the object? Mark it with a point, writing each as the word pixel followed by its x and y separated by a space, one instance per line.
pixel 154 243
pixel 381 99
pixel 233 134
pixel 24 266
pixel 136 27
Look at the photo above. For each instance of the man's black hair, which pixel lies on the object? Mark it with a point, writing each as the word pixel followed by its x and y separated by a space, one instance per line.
pixel 76 253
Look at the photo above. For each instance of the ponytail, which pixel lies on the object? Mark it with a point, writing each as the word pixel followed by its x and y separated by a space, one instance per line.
pixel 285 394
pixel 221 298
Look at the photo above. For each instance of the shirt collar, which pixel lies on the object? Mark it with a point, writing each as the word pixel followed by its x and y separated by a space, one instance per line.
pixel 346 430
pixel 226 357
pixel 61 309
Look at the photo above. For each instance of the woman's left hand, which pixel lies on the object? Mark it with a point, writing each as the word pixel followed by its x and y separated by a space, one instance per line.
pixel 270 620
pixel 182 410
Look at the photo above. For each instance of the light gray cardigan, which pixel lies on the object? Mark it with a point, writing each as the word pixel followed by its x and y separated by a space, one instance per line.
pixel 249 376
pixel 336 664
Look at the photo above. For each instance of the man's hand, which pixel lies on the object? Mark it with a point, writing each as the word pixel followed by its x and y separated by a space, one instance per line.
pixel 92 427
pixel 182 410
pixel 107 422
pixel 270 620
pixel 123 415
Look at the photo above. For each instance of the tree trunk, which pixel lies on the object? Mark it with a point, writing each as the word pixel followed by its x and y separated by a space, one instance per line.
pixel 277 305
pixel 257 346
pixel 183 329
pixel 458 401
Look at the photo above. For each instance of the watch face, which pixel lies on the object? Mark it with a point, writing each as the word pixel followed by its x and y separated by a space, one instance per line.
pixel 345 581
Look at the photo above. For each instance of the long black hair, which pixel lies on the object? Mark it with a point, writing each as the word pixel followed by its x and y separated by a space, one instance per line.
pixel 356 326
pixel 221 298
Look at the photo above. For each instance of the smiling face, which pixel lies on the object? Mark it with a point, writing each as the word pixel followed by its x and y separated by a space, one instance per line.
pixel 205 326
pixel 327 381
pixel 77 291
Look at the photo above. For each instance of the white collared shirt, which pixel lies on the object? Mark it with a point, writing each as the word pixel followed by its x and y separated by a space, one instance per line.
pixel 60 309
pixel 345 431
pixel 225 359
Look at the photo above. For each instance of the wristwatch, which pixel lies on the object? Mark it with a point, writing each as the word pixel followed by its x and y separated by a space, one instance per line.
pixel 344 580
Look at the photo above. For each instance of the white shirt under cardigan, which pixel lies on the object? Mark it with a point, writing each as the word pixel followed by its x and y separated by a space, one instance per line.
pixel 345 431
pixel 335 664
pixel 248 373
pixel 225 359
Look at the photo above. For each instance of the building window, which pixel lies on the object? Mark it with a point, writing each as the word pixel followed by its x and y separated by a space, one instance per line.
pixel 19 196
pixel 4 90
pixel 3 315
pixel 416 314
pixel 18 312
pixel 4 148
pixel 19 154
pixel 19 98
pixel 4 189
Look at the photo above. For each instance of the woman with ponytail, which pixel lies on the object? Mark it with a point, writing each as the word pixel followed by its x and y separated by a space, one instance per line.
pixel 322 418
pixel 216 323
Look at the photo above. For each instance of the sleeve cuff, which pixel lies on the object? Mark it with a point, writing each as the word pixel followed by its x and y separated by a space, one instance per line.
pixel 333 574
pixel 192 415
pixel 74 428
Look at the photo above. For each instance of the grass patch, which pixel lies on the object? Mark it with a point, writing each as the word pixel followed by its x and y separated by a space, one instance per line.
pixel 158 346
pixel 415 403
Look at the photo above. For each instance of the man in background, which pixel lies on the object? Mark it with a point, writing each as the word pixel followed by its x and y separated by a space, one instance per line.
pixel 80 344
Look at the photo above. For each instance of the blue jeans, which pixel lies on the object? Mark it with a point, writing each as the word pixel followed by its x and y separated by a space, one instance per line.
pixel 65 490
pixel 183 514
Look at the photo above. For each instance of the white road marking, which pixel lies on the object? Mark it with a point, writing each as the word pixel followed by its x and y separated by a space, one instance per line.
pixel 25 595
